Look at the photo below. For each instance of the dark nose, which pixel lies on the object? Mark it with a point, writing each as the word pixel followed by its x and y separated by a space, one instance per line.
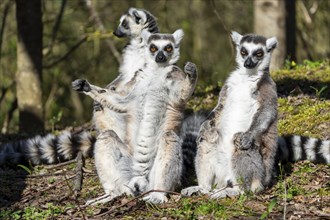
pixel 249 64
pixel 118 33
pixel 160 58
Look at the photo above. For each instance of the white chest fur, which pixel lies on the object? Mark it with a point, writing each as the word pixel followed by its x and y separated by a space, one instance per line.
pixel 240 105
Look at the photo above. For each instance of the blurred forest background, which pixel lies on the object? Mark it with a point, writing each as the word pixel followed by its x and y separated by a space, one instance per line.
pixel 70 39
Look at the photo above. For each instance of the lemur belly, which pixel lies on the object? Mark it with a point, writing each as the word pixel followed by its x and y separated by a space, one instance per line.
pixel 237 115
pixel 150 119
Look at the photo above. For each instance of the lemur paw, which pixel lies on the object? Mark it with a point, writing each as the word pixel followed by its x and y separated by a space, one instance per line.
pixel 190 69
pixel 81 85
pixel 243 141
pixel 156 198
pixel 138 184
pixel 222 193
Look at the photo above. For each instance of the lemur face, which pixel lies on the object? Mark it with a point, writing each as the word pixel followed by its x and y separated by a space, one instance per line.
pixel 164 49
pixel 134 21
pixel 253 51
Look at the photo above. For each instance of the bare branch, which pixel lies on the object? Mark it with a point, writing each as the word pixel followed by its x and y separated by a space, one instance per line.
pixel 56 26
pixel 65 56
pixel 101 27
pixel 79 172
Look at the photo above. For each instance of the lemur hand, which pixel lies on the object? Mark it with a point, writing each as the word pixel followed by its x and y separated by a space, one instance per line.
pixel 243 140
pixel 81 85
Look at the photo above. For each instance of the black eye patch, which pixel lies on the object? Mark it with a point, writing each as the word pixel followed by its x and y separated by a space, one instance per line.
pixel 124 24
pixel 244 52
pixel 168 48
pixel 258 53
pixel 153 48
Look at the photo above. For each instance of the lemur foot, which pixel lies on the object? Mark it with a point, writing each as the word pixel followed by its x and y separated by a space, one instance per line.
pixel 222 193
pixel 190 69
pixel 100 200
pixel 243 141
pixel 193 190
pixel 138 184
pixel 156 198
pixel 81 85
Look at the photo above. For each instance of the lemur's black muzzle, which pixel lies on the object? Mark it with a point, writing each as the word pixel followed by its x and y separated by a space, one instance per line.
pixel 249 64
pixel 119 33
pixel 161 58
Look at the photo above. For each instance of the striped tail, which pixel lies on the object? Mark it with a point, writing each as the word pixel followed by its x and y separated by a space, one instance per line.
pixel 295 148
pixel 47 149
pixel 189 133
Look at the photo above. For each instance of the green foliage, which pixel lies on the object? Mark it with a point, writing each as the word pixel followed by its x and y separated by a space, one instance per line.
pixel 28 170
pixel 304 116
pixel 270 208
pixel 49 211
pixel 55 119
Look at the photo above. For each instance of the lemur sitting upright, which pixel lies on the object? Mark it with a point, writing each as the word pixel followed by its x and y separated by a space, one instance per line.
pixel 237 144
pixel 150 156
pixel 48 149
pixel 133 60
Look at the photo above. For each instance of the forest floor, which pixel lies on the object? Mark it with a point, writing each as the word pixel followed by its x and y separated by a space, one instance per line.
pixel 302 190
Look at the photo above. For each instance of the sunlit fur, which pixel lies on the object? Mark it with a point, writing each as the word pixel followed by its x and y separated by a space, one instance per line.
pixel 155 112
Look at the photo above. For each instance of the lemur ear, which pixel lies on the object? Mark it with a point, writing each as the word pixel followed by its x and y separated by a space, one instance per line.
pixel 178 35
pixel 145 35
pixel 271 44
pixel 236 37
pixel 138 15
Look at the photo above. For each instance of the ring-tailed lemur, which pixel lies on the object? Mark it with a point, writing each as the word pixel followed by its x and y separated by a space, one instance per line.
pixel 151 150
pixel 50 149
pixel 237 144
pixel 131 25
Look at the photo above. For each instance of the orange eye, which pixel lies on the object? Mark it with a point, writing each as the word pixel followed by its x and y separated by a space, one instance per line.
pixel 260 54
pixel 169 49
pixel 153 49
pixel 243 53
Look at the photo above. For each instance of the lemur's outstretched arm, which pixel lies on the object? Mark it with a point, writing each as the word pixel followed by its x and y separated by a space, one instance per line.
pixel 103 96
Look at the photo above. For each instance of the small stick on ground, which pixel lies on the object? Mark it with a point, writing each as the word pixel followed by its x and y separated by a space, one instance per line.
pixel 135 198
pixel 60 164
pixel 79 172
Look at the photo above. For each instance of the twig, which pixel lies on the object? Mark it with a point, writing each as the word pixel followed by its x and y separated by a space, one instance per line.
pixel 56 26
pixel 9 116
pixel 135 198
pixel 65 56
pixel 285 201
pixel 5 90
pixel 58 183
pixel 101 27
pixel 60 164
pixel 79 172
pixel 75 199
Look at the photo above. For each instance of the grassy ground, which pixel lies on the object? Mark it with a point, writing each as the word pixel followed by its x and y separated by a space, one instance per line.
pixel 301 192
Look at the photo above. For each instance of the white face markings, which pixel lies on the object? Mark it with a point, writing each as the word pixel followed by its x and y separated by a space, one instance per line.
pixel 250 55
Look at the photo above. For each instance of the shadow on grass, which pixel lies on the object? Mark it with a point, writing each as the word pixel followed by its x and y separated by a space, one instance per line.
pixel 12 182
pixel 288 86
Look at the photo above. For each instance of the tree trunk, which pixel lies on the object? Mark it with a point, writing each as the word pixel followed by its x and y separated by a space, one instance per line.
pixel 269 21
pixel 29 65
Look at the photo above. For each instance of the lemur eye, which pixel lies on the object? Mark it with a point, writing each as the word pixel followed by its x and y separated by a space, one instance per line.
pixel 243 52
pixel 153 48
pixel 124 24
pixel 169 48
pixel 260 54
